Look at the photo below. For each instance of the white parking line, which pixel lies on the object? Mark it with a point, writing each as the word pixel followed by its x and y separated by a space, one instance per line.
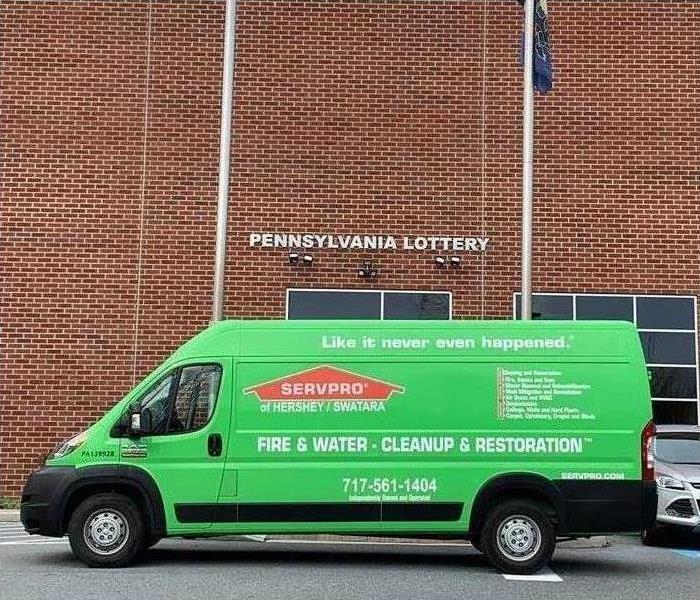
pixel 544 575
pixel 36 542
pixel 11 531
pixel 255 538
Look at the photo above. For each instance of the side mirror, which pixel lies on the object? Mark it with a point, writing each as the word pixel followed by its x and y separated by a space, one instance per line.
pixel 135 425
pixel 139 423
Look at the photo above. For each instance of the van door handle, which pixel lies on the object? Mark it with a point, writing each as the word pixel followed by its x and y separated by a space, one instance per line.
pixel 214 444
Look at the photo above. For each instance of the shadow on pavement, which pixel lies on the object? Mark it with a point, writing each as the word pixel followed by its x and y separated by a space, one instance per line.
pixel 203 553
pixel 272 556
pixel 593 566
pixel 208 552
pixel 678 540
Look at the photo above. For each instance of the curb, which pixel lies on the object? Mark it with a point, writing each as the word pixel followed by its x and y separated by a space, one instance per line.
pixel 9 515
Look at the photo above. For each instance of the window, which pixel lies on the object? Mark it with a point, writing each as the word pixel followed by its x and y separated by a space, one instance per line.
pixel 195 397
pixel 550 307
pixel 673 383
pixel 675 412
pixel 668 348
pixel 668 331
pixel 658 312
pixel 333 305
pixel 370 304
pixel 183 400
pixel 157 402
pixel 616 308
pixel 418 305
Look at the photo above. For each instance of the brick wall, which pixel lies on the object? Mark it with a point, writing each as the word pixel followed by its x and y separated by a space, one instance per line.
pixel 375 117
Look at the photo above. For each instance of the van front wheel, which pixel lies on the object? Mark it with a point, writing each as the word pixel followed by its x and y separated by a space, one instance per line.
pixel 518 537
pixel 106 530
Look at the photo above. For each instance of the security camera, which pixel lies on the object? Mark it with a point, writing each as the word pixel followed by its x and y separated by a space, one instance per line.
pixel 440 261
pixel 293 258
pixel 455 261
pixel 307 259
pixel 367 271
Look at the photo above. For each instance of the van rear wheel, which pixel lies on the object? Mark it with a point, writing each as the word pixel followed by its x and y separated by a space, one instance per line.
pixel 107 530
pixel 518 537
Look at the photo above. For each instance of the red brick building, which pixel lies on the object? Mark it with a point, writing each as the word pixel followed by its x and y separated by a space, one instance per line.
pixel 385 117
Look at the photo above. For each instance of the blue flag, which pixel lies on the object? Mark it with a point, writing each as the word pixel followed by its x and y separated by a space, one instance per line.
pixel 543 71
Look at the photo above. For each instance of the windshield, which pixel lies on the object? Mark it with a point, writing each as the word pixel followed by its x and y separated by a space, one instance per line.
pixel 679 448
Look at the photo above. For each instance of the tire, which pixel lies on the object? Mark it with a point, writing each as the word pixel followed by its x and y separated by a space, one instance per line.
pixel 119 520
pixel 518 537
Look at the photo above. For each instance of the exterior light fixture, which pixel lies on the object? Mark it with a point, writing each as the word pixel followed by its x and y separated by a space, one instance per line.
pixel 300 259
pixel 440 261
pixel 455 261
pixel 367 271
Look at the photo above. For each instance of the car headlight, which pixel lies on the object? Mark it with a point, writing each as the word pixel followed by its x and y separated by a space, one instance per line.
pixel 670 483
pixel 69 445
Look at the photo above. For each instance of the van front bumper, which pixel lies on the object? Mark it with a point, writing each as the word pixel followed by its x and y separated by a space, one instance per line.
pixel 42 497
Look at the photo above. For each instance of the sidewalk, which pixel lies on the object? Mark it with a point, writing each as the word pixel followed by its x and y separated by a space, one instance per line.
pixel 9 515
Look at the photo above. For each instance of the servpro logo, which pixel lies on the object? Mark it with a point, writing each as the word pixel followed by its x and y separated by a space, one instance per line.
pixel 323 389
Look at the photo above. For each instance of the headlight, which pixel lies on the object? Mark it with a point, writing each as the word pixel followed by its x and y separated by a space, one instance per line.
pixel 67 446
pixel 670 483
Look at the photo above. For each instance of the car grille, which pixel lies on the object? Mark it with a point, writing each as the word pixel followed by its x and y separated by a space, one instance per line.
pixel 680 508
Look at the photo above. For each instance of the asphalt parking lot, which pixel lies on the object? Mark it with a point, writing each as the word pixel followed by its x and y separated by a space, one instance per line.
pixel 41 568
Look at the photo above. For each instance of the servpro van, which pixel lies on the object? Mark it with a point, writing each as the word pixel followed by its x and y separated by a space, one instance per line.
pixel 510 434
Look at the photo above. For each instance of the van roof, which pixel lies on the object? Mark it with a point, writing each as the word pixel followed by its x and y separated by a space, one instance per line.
pixel 237 324
pixel 288 337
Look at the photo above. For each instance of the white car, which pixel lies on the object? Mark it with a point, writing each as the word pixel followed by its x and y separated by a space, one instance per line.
pixel 676 450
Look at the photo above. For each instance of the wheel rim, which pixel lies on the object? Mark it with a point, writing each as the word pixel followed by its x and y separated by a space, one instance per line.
pixel 519 538
pixel 106 531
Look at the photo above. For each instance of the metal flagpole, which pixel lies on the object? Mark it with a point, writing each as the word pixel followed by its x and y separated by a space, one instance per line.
pixel 528 151
pixel 224 161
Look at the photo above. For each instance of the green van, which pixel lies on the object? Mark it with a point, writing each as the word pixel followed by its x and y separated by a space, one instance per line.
pixel 510 434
